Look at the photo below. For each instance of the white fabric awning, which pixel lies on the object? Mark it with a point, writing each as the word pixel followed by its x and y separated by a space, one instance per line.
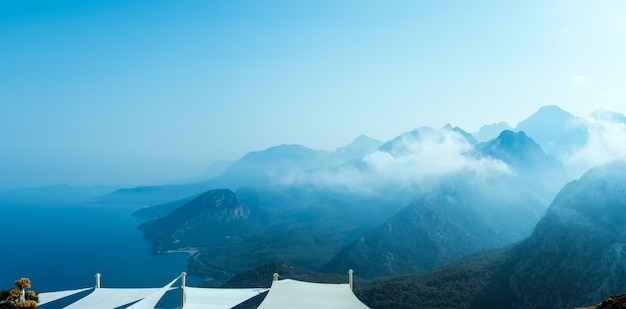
pixel 217 298
pixel 48 297
pixel 283 294
pixel 150 301
pixel 106 298
pixel 290 293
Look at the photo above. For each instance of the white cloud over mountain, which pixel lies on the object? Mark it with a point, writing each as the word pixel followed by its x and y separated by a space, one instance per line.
pixel 606 141
pixel 414 160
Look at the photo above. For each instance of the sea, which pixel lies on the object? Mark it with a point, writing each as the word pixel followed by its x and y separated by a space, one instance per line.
pixel 62 245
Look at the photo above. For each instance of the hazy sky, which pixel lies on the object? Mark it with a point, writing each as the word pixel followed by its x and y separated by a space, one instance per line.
pixel 149 91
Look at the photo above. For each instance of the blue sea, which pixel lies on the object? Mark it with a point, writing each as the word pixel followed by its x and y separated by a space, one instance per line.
pixel 62 246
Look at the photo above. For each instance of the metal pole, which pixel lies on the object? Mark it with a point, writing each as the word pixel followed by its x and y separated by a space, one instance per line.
pixel 182 290
pixel 97 280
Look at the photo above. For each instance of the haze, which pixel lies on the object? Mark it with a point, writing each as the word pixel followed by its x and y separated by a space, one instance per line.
pixel 151 92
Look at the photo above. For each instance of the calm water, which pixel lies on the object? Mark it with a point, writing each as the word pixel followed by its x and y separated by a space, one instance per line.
pixel 63 246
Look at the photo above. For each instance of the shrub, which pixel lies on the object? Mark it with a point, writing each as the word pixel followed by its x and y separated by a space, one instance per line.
pixel 17 297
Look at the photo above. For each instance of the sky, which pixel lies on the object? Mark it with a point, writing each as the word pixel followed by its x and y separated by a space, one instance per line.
pixel 149 92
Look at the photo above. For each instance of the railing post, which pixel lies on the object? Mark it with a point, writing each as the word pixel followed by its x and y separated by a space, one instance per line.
pixel 97 280
pixel 350 272
pixel 183 276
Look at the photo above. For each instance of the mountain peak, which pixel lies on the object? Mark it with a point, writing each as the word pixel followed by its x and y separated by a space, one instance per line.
pixel 398 144
pixel 407 142
pixel 513 148
pixel 491 131
pixel 468 136
pixel 548 113
pixel 558 132
pixel 359 147
pixel 212 214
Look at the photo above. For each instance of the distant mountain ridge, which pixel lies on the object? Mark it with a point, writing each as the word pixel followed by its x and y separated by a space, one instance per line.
pixel 272 166
pixel 559 133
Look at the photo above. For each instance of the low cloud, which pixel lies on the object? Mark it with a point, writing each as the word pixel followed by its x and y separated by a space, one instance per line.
pixel 579 79
pixel 606 143
pixel 414 160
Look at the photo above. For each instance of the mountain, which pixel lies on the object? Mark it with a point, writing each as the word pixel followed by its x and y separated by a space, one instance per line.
pixel 275 165
pixel 491 131
pixel 467 212
pixel 517 150
pixel 160 210
pixel 358 148
pixel 493 197
pixel 218 216
pixel 576 256
pixel 453 220
pixel 468 137
pixel 577 253
pixel 456 285
pixel 543 174
pixel 558 132
pixel 406 143
pixel 402 144
pixel 286 223
pixel 153 195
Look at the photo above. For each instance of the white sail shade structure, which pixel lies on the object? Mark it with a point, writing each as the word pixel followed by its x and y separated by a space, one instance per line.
pixel 150 301
pixel 290 293
pixel 285 293
pixel 49 297
pixel 218 298
pixel 106 298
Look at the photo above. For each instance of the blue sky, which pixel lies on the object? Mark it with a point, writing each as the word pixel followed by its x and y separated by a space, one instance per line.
pixel 150 92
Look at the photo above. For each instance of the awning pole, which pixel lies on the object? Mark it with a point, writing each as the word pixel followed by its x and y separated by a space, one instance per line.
pixel 182 290
pixel 350 272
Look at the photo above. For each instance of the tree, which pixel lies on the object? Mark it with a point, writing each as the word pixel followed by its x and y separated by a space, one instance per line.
pixel 18 297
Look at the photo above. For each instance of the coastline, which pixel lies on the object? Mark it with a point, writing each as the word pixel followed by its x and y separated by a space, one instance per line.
pixel 190 251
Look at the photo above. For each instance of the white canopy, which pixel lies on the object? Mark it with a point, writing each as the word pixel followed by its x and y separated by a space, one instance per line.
pixel 48 297
pixel 204 298
pixel 283 294
pixel 290 293
pixel 105 298
pixel 151 300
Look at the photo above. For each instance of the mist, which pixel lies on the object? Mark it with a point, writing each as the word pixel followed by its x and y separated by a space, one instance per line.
pixel 415 159
pixel 606 142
